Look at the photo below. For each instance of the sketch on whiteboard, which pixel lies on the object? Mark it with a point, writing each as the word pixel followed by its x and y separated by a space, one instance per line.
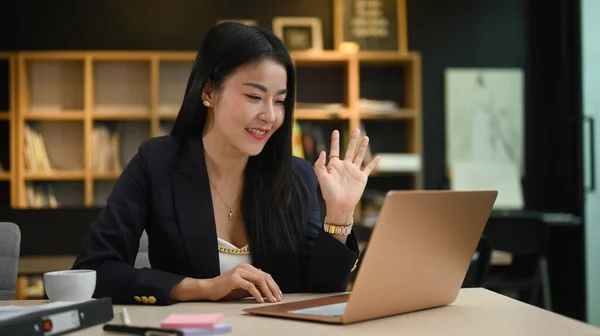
pixel 484 115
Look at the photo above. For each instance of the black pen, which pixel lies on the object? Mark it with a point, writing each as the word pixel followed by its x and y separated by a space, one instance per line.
pixel 145 331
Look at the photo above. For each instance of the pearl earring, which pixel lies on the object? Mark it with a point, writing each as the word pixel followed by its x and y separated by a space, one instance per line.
pixel 206 103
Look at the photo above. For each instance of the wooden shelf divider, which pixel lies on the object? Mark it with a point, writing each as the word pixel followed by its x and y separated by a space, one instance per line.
pixel 88 102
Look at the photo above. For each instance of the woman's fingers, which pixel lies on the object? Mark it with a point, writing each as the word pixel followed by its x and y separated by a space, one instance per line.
pixel 334 150
pixel 321 160
pixel 362 149
pixel 350 150
pixel 263 281
pixel 241 282
pixel 265 289
pixel 273 286
pixel 369 168
pixel 320 167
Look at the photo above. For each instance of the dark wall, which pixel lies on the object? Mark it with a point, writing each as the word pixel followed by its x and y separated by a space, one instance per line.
pixel 461 33
pixel 534 35
pixel 154 24
pixel 554 162
pixel 8 22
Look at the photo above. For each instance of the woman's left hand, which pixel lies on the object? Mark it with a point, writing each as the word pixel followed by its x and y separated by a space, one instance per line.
pixel 343 180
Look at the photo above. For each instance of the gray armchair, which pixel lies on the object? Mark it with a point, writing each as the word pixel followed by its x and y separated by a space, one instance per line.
pixel 10 249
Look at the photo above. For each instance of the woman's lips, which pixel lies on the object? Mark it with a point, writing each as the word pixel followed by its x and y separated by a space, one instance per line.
pixel 257 133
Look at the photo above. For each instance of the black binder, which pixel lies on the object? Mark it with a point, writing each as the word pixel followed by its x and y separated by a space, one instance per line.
pixel 60 320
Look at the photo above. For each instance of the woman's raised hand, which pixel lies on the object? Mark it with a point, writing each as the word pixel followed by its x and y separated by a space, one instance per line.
pixel 343 180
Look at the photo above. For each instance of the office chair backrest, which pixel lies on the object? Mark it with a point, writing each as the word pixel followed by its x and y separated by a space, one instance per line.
pixel 10 248
pixel 525 237
pixel 521 236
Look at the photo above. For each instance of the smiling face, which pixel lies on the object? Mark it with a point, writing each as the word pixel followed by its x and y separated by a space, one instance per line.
pixel 248 107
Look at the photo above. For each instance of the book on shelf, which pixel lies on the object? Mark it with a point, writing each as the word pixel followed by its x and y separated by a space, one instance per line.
pixel 297 146
pixel 372 106
pixel 36 156
pixel 41 196
pixel 106 158
pixel 308 140
pixel 314 141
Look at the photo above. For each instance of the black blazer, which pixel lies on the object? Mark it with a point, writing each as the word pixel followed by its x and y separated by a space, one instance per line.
pixel 164 190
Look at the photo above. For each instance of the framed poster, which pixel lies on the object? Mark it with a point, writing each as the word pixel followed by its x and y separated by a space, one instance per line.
pixel 299 33
pixel 375 25
pixel 484 112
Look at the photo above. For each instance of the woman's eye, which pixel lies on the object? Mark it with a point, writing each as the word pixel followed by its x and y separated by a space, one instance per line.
pixel 256 98
pixel 282 102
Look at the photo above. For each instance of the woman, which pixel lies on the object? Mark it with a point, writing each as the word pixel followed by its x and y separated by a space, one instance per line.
pixel 227 209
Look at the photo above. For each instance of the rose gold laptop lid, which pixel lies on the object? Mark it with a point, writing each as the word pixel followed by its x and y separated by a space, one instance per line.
pixel 419 252
pixel 417 257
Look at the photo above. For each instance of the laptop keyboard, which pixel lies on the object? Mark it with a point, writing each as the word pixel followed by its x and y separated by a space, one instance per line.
pixel 336 309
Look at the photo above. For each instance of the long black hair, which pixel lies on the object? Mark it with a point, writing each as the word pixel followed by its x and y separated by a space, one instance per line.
pixel 274 198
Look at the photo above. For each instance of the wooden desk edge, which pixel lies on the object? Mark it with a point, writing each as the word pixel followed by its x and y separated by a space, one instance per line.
pixel 475 297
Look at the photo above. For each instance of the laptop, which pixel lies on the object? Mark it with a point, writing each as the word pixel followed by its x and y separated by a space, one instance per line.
pixel 417 258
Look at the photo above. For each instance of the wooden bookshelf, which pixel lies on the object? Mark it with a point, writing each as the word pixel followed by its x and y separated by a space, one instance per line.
pixel 75 100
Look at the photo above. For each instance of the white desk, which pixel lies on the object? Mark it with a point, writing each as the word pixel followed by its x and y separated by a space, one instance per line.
pixel 475 312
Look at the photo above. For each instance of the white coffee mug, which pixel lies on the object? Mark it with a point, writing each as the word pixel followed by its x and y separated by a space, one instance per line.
pixel 70 285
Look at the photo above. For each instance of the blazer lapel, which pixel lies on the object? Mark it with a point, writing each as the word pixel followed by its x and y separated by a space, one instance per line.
pixel 193 204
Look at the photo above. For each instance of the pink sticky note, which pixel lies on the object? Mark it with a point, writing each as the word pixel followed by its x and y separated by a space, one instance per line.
pixel 180 321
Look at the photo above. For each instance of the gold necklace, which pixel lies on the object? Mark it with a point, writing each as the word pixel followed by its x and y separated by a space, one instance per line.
pixel 229 250
pixel 221 197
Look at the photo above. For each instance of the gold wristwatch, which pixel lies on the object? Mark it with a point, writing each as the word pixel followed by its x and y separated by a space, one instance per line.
pixel 341 230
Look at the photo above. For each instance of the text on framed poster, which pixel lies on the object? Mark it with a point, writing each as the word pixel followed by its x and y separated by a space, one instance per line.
pixel 372 24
